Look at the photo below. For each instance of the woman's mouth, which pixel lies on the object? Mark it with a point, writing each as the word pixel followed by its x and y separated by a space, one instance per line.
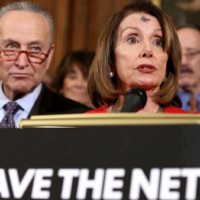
pixel 145 68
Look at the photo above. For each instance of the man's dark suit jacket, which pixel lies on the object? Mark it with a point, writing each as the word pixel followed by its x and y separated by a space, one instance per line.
pixel 50 102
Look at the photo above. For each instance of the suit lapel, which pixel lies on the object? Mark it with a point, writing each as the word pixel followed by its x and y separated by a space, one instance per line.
pixel 43 103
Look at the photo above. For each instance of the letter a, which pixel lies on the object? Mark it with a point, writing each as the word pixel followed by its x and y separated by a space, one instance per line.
pixel 4 192
pixel 20 187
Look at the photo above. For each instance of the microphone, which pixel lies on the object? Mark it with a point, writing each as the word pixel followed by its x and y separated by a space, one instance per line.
pixel 134 99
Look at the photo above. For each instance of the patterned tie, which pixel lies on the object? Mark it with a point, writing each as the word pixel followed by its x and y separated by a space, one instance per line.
pixel 193 105
pixel 8 121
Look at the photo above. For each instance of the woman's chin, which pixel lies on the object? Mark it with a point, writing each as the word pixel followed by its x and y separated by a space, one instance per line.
pixel 147 85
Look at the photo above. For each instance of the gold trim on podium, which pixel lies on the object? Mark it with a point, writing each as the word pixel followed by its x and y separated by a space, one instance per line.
pixel 109 119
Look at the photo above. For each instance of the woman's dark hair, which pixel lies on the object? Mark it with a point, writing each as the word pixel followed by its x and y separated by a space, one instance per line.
pixel 103 89
pixel 82 59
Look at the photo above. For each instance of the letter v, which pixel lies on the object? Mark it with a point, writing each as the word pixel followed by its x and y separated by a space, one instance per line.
pixel 17 187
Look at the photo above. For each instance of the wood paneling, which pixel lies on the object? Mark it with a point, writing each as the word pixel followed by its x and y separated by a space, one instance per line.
pixel 60 32
pixel 99 14
pixel 77 23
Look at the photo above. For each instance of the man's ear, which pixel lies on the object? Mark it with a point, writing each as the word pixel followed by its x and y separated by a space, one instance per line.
pixel 49 58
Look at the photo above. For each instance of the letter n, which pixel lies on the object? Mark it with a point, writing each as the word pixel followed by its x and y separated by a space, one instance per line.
pixel 149 187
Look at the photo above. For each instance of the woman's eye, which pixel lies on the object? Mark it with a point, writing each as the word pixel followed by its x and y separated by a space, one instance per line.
pixel 158 42
pixel 132 40
pixel 72 77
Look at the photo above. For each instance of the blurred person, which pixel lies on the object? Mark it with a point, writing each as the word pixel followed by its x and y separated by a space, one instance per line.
pixel 72 74
pixel 191 6
pixel 189 81
pixel 138 47
pixel 26 50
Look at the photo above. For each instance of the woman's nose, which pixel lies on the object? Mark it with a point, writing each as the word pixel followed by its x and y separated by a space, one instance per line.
pixel 146 51
pixel 81 82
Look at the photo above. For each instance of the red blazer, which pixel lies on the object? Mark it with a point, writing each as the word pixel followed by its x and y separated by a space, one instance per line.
pixel 168 109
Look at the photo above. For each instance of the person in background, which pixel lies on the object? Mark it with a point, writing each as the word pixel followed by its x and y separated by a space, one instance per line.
pixel 138 47
pixel 189 80
pixel 26 50
pixel 72 74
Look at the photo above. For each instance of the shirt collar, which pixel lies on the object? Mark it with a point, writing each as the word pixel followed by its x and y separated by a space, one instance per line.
pixel 3 98
pixel 186 95
pixel 25 102
pixel 197 96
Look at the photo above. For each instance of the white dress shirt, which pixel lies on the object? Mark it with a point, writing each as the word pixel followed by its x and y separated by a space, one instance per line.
pixel 26 104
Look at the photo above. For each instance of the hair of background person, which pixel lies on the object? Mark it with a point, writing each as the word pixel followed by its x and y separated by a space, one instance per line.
pixel 28 6
pixel 102 89
pixel 82 58
pixel 192 26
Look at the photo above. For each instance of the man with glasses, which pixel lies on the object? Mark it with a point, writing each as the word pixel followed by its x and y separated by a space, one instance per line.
pixel 26 50
pixel 189 80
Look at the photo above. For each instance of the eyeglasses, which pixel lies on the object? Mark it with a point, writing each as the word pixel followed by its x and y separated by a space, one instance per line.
pixel 191 54
pixel 33 57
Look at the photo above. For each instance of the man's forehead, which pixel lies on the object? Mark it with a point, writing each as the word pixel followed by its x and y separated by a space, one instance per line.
pixel 22 16
pixel 189 37
pixel 24 24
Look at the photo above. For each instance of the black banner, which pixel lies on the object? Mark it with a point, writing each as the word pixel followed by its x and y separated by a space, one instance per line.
pixel 110 163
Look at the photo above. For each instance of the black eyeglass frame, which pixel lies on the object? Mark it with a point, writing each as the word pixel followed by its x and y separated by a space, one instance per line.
pixel 27 54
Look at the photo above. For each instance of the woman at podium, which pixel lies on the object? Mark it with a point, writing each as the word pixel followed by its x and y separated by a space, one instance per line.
pixel 138 47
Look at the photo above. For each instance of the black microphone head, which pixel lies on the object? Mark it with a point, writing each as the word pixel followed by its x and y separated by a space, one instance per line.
pixel 134 99
pixel 140 92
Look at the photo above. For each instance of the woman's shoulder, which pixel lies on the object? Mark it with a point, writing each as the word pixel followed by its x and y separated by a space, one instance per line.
pixel 168 109
pixel 172 109
pixel 101 109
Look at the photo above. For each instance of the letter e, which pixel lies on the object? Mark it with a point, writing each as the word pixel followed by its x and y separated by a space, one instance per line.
pixel 111 183
pixel 39 183
pixel 167 183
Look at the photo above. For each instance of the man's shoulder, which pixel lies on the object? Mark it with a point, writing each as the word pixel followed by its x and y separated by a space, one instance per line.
pixel 54 103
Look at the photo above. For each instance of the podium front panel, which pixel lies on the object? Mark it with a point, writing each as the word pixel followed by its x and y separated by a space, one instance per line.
pixel 124 162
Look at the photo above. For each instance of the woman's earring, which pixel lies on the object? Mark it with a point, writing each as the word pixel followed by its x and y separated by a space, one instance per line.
pixel 164 79
pixel 111 74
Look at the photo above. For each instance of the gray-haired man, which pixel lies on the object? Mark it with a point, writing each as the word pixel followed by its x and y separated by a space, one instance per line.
pixel 26 50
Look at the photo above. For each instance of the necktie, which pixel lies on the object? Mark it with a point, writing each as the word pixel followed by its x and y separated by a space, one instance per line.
pixel 193 105
pixel 8 121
